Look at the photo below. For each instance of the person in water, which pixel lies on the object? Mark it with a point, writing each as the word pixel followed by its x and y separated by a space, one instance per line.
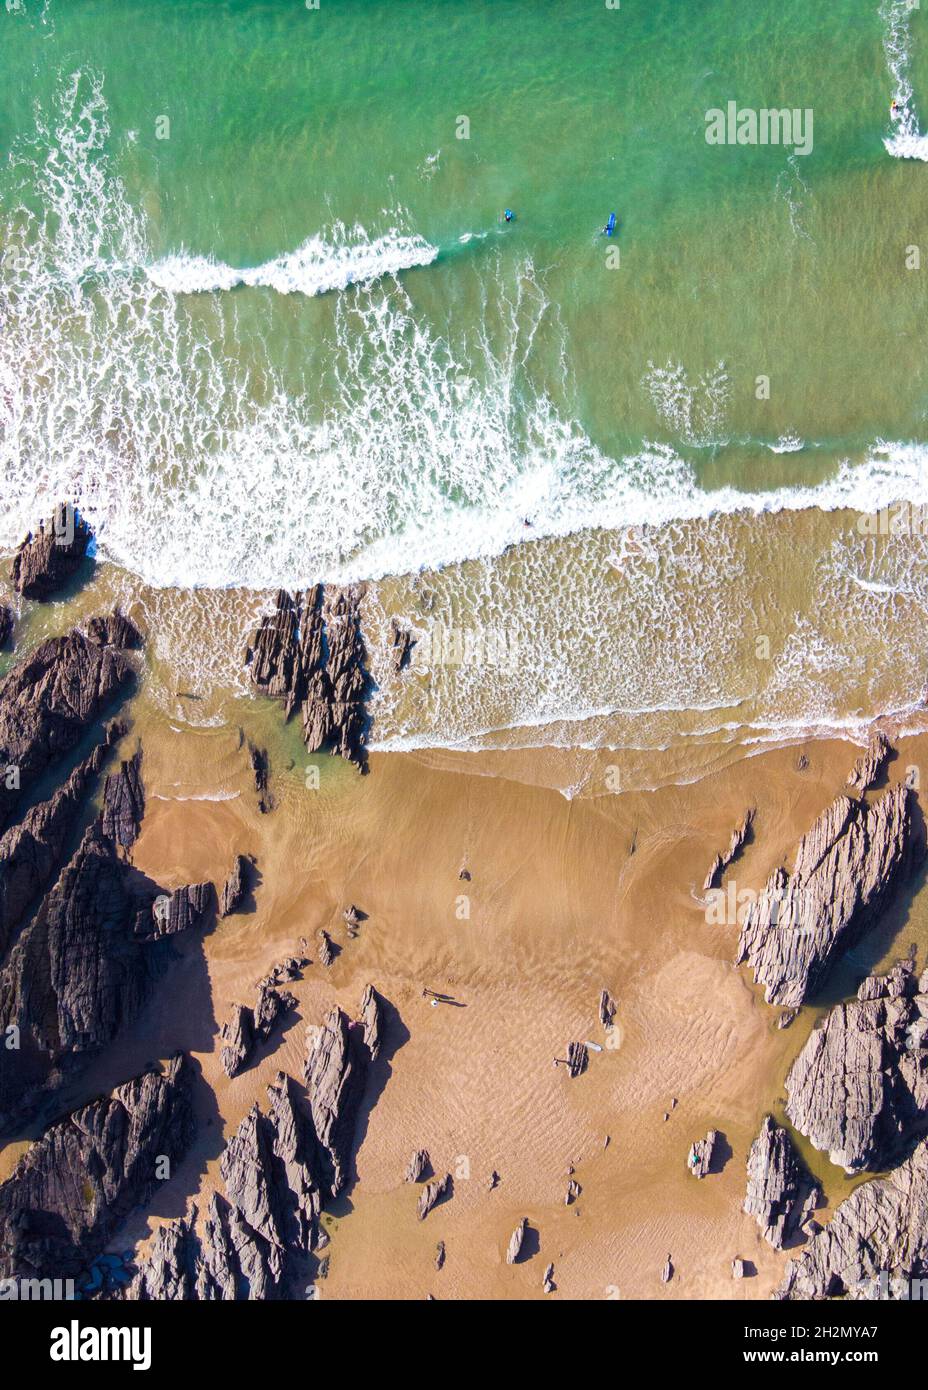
pixel 508 215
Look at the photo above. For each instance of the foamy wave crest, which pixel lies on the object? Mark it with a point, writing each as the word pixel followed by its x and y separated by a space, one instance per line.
pixel 393 448
pixel 906 141
pixel 319 266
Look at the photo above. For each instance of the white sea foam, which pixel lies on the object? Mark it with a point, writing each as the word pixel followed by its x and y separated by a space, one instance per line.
pixel 906 140
pixel 320 265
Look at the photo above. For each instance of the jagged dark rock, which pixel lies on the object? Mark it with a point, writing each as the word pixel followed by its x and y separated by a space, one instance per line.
pixel 846 868
pixel 46 561
pixel 440 1254
pixel 781 1194
pixel 577 1058
pixel 417 1166
pixel 870 764
pixel 247 1028
pixel 72 1189
pixel 859 1088
pixel 188 908
pixel 30 852
pixel 7 619
pixel 124 802
pixel 606 1009
pixel 236 886
pixel 702 1154
pixel 401 644
pixel 48 701
pixel 875 1244
pixel 326 948
pixel 261 768
pixel 311 655
pixel 547 1283
pixel 432 1194
pixel 739 837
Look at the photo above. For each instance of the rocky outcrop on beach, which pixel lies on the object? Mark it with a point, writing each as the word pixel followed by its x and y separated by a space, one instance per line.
pixel 514 1249
pixel 432 1194
pixel 578 1058
pixel 249 1028
pixel 702 1154
pixel 781 1194
pixel 859 1088
pixel 310 654
pixel 261 771
pixel 371 1020
pixel 236 886
pixel 846 868
pixel 31 851
pixel 875 1244
pixel 49 700
pixel 418 1166
pixel 606 1009
pixel 46 561
pixel 186 909
pixel 124 802
pixel 335 1075
pixel 7 619
pixel 77 1183
pixel 870 764
pixel 401 644
pixel 720 863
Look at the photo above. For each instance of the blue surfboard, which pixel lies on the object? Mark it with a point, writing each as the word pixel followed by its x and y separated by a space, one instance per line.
pixel 610 225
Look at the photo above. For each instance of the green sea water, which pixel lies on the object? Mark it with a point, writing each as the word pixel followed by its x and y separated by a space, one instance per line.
pixel 751 338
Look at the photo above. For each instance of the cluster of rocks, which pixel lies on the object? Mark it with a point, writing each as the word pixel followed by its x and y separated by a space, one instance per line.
pixel 846 868
pixel 257 1241
pixel 720 863
pixel 310 654
pixel 401 644
pixel 781 1194
pixel 859 1088
pixel 236 887
pixel 249 1028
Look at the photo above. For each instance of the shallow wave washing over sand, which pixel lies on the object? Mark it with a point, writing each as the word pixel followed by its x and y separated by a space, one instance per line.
pixel 906 142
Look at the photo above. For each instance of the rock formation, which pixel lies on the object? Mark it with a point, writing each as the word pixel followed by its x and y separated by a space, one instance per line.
pixel 401 644
pixel 44 562
pixel 739 837
pixel 310 654
pixel 335 1073
pixel 577 1058
pixel 370 1018
pixel 870 764
pixel 7 619
pixel 124 802
pixel 236 886
pixel 261 768
pixel 49 700
pixel 781 1194
pixel 606 1009
pixel 432 1194
pixel 846 868
pixel 418 1166
pixel 31 851
pixel 859 1088
pixel 248 1028
pixel 702 1154
pixel 188 908
pixel 72 1189
pixel 875 1244
pixel 514 1248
